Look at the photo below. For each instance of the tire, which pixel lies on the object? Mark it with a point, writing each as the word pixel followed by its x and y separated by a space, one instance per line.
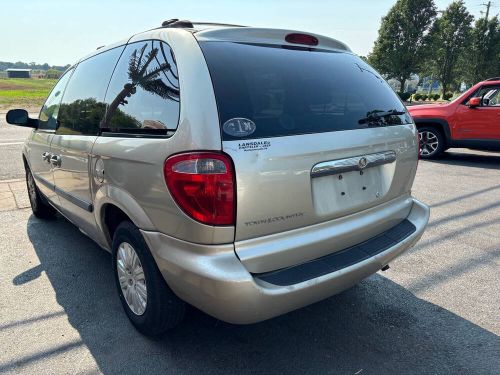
pixel 432 142
pixel 39 205
pixel 161 310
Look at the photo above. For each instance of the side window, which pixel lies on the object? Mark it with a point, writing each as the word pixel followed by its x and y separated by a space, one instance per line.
pixel 82 107
pixel 492 97
pixel 483 91
pixel 143 95
pixel 47 120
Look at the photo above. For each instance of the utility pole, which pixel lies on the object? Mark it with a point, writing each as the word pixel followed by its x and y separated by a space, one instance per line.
pixel 487 5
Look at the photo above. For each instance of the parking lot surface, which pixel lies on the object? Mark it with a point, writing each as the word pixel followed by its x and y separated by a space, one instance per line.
pixel 11 140
pixel 435 311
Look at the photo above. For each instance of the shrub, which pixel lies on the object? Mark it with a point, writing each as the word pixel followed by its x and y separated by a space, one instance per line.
pixel 417 96
pixel 447 96
pixel 436 97
pixel 424 97
pixel 404 96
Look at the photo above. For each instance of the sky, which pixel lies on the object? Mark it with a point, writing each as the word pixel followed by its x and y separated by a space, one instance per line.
pixel 59 32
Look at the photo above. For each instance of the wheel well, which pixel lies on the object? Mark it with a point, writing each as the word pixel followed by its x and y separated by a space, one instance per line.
pixel 112 217
pixel 430 125
pixel 25 162
pixel 434 125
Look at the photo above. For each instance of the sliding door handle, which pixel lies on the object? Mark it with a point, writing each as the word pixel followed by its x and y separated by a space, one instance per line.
pixel 46 156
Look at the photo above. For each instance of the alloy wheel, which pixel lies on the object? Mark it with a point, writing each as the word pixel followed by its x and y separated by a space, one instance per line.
pixel 429 143
pixel 131 278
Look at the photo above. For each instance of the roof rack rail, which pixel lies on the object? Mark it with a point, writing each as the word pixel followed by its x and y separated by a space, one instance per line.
pixel 175 22
pixel 493 79
pixel 217 24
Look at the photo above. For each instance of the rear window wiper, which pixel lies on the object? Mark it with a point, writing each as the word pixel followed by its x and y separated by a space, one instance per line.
pixel 375 115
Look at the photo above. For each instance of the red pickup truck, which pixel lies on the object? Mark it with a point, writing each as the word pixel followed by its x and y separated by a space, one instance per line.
pixel 472 120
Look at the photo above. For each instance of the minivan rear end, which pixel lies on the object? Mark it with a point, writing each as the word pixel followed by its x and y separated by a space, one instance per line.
pixel 318 159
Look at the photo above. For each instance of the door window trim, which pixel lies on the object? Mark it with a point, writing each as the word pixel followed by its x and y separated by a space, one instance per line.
pixel 74 67
pixel 472 95
pixel 69 71
pixel 108 132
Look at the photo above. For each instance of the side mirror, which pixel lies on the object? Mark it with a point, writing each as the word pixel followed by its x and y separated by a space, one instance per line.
pixel 20 117
pixel 474 102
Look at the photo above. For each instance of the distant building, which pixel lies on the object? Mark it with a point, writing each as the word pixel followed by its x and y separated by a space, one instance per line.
pixel 18 73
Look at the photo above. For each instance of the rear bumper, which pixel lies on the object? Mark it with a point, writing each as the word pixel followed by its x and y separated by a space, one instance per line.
pixel 212 278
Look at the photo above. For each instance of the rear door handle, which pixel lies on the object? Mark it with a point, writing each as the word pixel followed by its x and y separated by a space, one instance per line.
pixel 356 163
pixel 46 156
pixel 55 160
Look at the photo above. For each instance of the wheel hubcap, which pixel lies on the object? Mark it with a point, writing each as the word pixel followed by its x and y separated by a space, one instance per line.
pixel 131 278
pixel 428 143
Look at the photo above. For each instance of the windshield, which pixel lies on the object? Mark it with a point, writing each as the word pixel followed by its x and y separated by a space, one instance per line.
pixel 268 91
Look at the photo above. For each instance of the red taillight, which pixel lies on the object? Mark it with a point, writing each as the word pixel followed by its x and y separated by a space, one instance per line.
pixel 203 186
pixel 308 40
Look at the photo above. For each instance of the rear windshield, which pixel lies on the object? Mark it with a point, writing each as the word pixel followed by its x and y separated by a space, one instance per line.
pixel 269 91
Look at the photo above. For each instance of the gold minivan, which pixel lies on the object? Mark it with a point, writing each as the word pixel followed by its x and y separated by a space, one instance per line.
pixel 245 171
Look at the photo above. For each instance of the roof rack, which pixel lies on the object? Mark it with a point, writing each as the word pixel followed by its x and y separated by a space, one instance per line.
pixel 493 79
pixel 175 22
pixel 217 24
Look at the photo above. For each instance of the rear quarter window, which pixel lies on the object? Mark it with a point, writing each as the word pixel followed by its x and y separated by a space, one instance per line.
pixel 143 95
pixel 281 91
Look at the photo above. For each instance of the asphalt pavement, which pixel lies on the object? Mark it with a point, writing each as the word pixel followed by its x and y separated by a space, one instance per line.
pixel 435 311
pixel 11 140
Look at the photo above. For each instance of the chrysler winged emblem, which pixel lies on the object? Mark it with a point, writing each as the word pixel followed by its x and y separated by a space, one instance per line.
pixel 362 163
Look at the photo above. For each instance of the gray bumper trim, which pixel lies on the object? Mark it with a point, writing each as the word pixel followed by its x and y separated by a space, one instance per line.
pixel 340 259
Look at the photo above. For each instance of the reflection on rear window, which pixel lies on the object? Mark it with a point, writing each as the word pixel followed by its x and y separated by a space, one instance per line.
pixel 287 91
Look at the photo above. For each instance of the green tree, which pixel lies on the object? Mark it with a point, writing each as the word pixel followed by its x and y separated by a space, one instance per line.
pixel 482 57
pixel 403 37
pixel 450 36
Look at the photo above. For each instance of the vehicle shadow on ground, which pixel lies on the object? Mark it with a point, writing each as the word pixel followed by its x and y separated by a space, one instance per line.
pixel 376 327
pixel 488 161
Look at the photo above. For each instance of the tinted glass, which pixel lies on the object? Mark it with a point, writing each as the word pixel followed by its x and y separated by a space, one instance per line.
pixel 143 95
pixel 286 91
pixel 48 115
pixel 82 107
